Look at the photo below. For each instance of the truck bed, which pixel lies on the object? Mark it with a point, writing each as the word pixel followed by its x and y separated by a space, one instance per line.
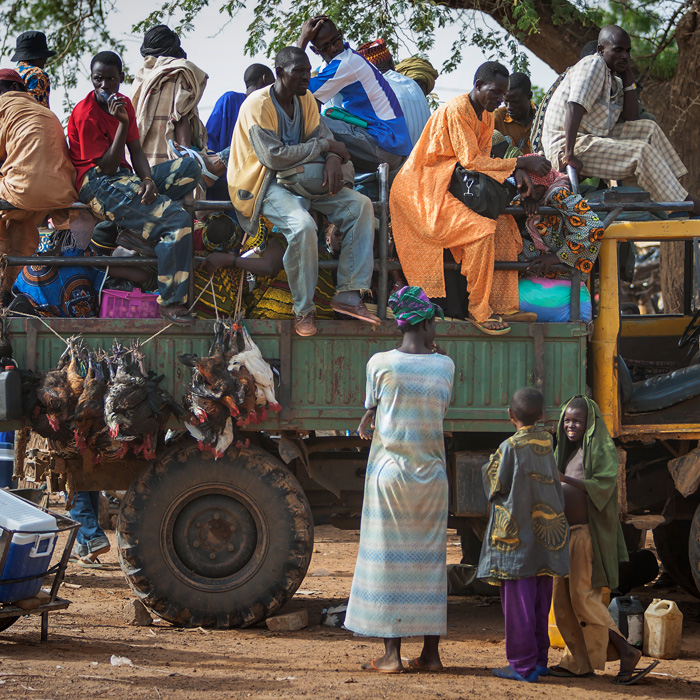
pixel 322 378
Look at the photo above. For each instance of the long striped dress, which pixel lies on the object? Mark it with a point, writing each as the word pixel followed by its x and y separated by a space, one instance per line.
pixel 400 585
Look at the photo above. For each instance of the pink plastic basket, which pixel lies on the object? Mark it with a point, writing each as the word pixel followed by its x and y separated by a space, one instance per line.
pixel 134 304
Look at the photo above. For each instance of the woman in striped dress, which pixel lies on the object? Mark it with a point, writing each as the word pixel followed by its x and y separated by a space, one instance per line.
pixel 400 585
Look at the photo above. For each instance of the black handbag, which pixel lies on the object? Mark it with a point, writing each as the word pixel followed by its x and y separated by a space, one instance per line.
pixel 481 193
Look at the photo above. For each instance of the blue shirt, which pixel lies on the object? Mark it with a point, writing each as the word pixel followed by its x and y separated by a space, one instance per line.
pixel 364 92
pixel 222 120
pixel 414 106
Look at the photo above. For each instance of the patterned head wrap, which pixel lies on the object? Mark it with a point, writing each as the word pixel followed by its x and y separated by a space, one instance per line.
pixel 411 306
pixel 420 70
pixel 376 52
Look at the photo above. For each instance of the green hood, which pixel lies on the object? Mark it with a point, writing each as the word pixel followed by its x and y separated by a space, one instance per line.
pixel 600 470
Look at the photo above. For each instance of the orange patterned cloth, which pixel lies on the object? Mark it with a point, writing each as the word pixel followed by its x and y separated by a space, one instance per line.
pixel 426 218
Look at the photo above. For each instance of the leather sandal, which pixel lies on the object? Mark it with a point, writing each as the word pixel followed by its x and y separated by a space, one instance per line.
pixel 177 314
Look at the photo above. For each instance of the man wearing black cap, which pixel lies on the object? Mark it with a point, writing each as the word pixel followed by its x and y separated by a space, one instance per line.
pixel 31 54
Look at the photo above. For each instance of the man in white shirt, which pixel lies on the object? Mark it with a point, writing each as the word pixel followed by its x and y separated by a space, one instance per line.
pixel 414 105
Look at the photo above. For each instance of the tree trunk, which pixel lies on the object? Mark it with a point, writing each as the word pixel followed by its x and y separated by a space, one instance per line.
pixel 675 103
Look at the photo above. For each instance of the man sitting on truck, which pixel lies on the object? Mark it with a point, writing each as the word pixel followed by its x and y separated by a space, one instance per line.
pixel 100 128
pixel 351 82
pixel 593 124
pixel 279 129
pixel 36 175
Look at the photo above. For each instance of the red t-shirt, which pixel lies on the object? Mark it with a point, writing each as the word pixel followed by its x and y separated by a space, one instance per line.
pixel 91 132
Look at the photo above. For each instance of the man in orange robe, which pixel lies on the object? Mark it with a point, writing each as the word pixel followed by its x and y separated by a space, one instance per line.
pixel 426 218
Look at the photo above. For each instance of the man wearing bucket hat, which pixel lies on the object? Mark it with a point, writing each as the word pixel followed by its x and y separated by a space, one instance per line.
pixel 30 54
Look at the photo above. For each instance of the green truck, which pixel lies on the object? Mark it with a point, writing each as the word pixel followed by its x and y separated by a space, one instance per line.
pixel 225 543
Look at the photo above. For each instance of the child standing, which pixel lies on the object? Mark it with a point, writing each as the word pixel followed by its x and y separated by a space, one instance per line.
pixel 526 536
pixel 587 459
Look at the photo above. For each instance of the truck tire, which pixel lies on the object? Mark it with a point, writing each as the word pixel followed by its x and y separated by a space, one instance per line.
pixel 694 550
pixel 207 543
pixel 6 622
pixel 673 545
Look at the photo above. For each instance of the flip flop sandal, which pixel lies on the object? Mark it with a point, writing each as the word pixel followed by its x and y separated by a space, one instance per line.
pixel 635 676
pixel 372 667
pixel 88 563
pixel 520 316
pixel 561 672
pixel 509 673
pixel 490 331
pixel 415 665
pixel 183 152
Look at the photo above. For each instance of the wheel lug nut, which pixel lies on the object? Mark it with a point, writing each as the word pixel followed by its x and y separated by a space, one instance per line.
pixel 212 556
pixel 195 543
pixel 198 524
pixel 230 548
pixel 216 516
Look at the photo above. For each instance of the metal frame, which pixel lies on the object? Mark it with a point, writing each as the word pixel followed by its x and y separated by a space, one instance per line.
pixel 614 204
pixel 64 524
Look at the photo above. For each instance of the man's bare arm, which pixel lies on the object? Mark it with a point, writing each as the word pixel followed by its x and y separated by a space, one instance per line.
pixel 574 115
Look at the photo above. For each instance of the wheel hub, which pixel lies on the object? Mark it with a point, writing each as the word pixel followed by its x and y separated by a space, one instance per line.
pixel 215 535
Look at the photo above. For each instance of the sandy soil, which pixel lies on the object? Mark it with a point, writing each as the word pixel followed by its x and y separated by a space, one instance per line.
pixel 317 662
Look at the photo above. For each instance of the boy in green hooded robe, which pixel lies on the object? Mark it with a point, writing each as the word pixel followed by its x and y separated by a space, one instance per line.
pixel 587 460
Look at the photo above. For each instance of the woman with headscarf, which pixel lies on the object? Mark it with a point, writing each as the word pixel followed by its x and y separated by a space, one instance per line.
pixel 400 584
pixel 165 95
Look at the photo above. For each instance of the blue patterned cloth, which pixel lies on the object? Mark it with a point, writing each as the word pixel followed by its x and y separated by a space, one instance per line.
pixel 400 584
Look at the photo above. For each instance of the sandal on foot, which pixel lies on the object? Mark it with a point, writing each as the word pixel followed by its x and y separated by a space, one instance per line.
pixel 490 331
pixel 416 665
pixel 520 316
pixel 373 667
pixel 177 314
pixel 88 563
pixel 561 672
pixel 632 677
pixel 509 673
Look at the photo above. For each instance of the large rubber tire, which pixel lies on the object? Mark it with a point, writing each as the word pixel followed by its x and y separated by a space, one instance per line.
pixel 672 546
pixel 6 622
pixel 208 543
pixel 694 550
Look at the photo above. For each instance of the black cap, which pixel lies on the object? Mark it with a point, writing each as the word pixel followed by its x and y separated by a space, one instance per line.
pixel 31 45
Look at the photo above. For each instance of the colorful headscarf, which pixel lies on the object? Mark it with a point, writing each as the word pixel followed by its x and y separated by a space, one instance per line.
pixel 376 52
pixel 420 70
pixel 411 306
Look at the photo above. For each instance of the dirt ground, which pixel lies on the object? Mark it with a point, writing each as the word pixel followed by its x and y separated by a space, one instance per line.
pixel 318 661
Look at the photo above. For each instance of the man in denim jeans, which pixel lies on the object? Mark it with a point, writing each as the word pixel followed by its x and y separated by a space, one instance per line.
pixel 91 540
pixel 278 129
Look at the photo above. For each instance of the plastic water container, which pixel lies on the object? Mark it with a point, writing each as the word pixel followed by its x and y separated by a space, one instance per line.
pixel 31 546
pixel 10 393
pixel 627 613
pixel 663 630
pixel 136 304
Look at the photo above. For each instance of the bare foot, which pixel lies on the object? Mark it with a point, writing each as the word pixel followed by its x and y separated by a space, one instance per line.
pixel 384 665
pixel 629 658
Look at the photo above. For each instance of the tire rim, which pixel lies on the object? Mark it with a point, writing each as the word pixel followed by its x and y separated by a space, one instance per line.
pixel 214 538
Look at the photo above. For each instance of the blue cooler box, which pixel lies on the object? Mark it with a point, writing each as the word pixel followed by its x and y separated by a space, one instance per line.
pixel 30 549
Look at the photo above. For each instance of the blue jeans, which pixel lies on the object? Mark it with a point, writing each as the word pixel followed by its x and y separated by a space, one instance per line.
pixel 85 509
pixel 163 223
pixel 350 211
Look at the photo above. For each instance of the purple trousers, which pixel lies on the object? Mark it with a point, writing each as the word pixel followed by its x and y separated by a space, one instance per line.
pixel 526 606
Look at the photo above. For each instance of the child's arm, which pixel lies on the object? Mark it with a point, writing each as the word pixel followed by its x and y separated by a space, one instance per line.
pixel 576 483
pixel 367 424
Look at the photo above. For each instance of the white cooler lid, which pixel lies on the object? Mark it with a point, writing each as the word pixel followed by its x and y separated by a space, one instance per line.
pixel 16 514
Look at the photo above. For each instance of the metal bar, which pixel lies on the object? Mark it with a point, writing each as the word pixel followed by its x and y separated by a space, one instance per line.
pixel 383 281
pixel 614 213
pixel 32 330
pixel 575 296
pixel 44 626
pixel 537 332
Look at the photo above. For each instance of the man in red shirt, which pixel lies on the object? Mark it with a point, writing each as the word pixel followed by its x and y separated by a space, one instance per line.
pixel 141 200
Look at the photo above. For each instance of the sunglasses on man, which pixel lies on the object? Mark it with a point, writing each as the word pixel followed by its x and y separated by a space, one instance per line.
pixel 324 47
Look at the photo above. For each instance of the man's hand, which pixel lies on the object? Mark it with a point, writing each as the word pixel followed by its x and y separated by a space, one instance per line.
pixel 148 191
pixel 216 260
pixel 309 30
pixel 366 426
pixel 117 108
pixel 542 265
pixel 340 149
pixel 524 183
pixel 333 175
pixel 535 164
pixel 574 162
